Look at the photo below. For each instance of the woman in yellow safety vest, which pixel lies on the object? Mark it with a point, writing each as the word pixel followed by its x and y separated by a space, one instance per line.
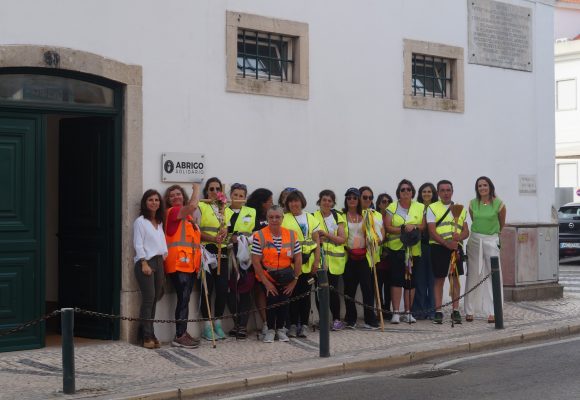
pixel 306 228
pixel 332 240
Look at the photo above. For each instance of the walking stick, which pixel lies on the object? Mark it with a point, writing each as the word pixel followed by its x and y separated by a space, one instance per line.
pixel 456 210
pixel 371 245
pixel 232 257
pixel 203 280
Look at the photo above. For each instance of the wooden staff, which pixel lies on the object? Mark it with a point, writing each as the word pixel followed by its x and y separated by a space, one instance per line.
pixel 373 267
pixel 456 210
pixel 207 303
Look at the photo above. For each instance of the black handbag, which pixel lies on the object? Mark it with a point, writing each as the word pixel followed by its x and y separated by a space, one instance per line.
pixel 282 276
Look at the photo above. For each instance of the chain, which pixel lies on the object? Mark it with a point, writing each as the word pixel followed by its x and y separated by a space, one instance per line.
pixel 375 309
pixel 28 324
pixel 171 321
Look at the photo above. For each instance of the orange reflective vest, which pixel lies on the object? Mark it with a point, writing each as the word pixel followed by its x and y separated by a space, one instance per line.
pixel 271 258
pixel 183 251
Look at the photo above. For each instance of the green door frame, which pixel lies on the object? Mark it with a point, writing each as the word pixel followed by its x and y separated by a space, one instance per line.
pixel 77 110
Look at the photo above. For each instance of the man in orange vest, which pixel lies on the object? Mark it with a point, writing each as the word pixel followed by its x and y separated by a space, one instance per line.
pixel 274 251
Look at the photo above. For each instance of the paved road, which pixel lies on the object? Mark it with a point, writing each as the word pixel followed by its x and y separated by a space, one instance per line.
pixel 543 371
pixel 570 274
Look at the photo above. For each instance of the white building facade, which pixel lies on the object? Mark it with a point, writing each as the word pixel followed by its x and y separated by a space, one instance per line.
pixel 165 79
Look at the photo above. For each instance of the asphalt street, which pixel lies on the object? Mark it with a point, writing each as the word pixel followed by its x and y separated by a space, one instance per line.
pixel 547 370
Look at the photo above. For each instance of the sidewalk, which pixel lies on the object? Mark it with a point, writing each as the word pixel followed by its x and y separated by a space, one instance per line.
pixel 115 370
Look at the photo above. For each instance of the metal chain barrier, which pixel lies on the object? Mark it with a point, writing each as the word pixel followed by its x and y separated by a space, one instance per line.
pixel 376 309
pixel 28 324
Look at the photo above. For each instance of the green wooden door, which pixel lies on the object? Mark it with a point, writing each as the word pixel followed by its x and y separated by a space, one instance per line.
pixel 21 229
pixel 86 221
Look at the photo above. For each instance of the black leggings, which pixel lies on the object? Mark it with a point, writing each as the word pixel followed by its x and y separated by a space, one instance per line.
pixel 276 317
pixel 183 284
pixel 300 309
pixel 220 282
pixel 358 272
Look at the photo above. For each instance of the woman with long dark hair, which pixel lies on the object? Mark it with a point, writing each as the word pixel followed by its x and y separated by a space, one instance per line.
pixel 150 250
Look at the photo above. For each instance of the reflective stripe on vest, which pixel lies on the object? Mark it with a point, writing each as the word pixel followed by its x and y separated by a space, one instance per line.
pixel 335 253
pixel 448 225
pixel 271 259
pixel 179 248
pixel 209 223
pixel 414 217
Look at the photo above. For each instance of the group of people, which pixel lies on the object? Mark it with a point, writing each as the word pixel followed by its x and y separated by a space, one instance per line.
pixel 400 250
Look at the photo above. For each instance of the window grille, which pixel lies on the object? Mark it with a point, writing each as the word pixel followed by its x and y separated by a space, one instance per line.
pixel 265 56
pixel 431 76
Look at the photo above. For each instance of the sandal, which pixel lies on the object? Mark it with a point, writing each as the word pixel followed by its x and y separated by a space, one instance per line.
pixel 491 319
pixel 469 318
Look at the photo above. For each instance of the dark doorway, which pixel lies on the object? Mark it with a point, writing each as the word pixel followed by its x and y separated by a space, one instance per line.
pixel 86 221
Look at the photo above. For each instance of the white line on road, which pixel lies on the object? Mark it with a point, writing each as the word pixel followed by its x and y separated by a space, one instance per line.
pixel 500 352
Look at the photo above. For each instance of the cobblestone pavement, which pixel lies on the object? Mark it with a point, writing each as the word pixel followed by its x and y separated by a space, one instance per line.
pixel 120 370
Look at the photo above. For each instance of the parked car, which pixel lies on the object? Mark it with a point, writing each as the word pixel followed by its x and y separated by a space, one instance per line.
pixel 569 229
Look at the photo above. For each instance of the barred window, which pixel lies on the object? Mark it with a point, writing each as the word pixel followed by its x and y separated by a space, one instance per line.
pixel 264 55
pixel 431 76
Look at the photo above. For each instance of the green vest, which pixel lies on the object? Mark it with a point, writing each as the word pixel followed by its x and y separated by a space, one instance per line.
pixel 308 245
pixel 334 253
pixel 414 216
pixel 245 222
pixel 447 226
pixel 210 223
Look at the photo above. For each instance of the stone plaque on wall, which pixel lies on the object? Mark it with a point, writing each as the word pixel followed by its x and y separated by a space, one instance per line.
pixel 500 34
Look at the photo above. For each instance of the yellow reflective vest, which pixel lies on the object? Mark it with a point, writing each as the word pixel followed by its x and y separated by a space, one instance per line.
pixel 307 243
pixel 246 220
pixel 209 223
pixel 335 253
pixel 447 225
pixel 414 217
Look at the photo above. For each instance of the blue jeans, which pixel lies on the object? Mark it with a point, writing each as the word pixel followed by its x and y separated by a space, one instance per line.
pixel 423 273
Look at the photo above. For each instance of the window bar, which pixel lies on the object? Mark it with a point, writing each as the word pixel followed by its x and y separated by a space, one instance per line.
pixel 269 56
pixel 414 74
pixel 424 75
pixel 444 80
pixel 245 54
pixel 281 59
pixel 433 75
pixel 257 54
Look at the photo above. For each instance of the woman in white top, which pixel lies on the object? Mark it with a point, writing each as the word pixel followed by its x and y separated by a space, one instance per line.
pixel 150 251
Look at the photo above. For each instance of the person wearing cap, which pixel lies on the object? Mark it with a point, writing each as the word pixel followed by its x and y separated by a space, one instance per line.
pixel 383 274
pixel 306 228
pixel 213 234
pixel 404 219
pixel 332 240
pixel 241 222
pixel 277 260
pixel 358 264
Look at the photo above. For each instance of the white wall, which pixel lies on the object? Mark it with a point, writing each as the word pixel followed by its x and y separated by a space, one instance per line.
pixel 566 21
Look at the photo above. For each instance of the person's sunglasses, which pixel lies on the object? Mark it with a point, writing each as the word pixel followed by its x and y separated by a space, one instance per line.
pixel 214 189
pixel 406 189
pixel 384 201
pixel 351 198
pixel 367 197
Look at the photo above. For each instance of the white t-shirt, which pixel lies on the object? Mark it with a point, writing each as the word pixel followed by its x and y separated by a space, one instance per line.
pixel 430 216
pixel 302 221
pixel 148 241
pixel 331 224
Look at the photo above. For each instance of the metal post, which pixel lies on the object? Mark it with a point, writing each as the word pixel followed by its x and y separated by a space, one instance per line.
pixel 67 319
pixel 497 297
pixel 324 312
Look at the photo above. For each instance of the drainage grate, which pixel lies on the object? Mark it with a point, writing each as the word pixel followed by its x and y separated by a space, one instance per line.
pixel 433 373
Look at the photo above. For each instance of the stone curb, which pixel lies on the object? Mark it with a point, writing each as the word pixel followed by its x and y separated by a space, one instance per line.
pixel 368 364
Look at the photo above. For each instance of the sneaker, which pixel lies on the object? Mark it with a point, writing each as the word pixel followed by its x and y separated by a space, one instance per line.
pixel 242 334
pixel 195 341
pixel 408 317
pixel 456 317
pixel 338 325
pixel 263 332
pixel 395 319
pixel 219 332
pixel 208 333
pixel 149 343
pixel 292 332
pixel 438 318
pixel 233 332
pixel 269 336
pixel 184 341
pixel 301 331
pixel 369 327
pixel 157 343
pixel 282 337
pixel 350 325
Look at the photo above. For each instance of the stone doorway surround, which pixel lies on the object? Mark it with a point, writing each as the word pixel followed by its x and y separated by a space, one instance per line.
pixel 66 59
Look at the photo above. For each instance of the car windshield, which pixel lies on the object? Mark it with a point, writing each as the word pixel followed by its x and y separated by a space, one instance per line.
pixel 569 212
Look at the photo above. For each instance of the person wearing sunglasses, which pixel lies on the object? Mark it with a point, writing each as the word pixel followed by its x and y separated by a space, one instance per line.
pixel 241 221
pixel 306 228
pixel 383 201
pixel 332 240
pixel 357 270
pixel 183 261
pixel 404 219
pixel 212 236
pixel 424 302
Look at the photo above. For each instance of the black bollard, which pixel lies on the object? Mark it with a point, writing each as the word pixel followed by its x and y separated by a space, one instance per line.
pixel 67 320
pixel 497 298
pixel 324 313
